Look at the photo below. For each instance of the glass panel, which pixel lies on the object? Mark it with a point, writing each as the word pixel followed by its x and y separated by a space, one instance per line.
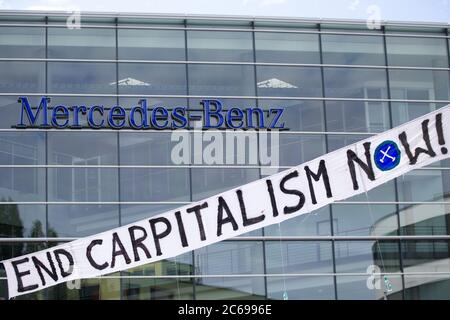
pixel 135 78
pixel 22 221
pixel 180 265
pixel 80 77
pixel 22 77
pixel 352 49
pixel 426 256
pixel 230 258
pixel 295 149
pixel 358 256
pixel 89 289
pixel 419 84
pixel 157 289
pixel 298 115
pixel 221 80
pixel 155 184
pixel 427 287
pixel 22 184
pixel 138 44
pixel 219 46
pixel 405 111
pixel 277 81
pixel 357 116
pixel 22 148
pixel 339 141
pixel 417 52
pixel 315 223
pixel 424 185
pixel 82 184
pixel 83 43
pixel 364 220
pixel 287 47
pixel 130 213
pixel 148 148
pixel 22 42
pixel 300 288
pixel 425 219
pixel 355 83
pixel 298 257
pixel 82 148
pixel 81 220
pixel 230 288
pixel 370 287
pixel 210 181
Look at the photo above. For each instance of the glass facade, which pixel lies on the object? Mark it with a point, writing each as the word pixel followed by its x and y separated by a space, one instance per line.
pixel 337 84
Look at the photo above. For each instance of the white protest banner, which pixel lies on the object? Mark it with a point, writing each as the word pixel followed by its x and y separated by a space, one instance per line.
pixel 334 176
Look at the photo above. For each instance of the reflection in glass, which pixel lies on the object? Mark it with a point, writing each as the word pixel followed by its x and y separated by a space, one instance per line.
pixel 157 289
pixel 22 42
pixel 22 148
pixel 359 50
pixel 147 148
pixel 221 80
pixel 150 78
pixel 136 44
pixel 85 148
pixel 82 184
pixel 82 220
pixel 83 43
pixel 357 116
pixel 425 219
pixel 155 184
pixel 22 184
pixel 315 223
pixel 220 46
pixel 230 257
pixel 424 185
pixel 230 288
pixel 90 289
pixel 425 256
pixel 81 77
pixel 22 220
pixel 277 81
pixel 22 77
pixel 209 181
pixel 357 256
pixel 298 115
pixel 298 257
pixel 300 288
pixel 419 84
pixel 295 149
pixel 364 220
pixel 417 52
pixel 356 288
pixel 355 83
pixel 405 111
pixel 130 213
pixel 427 287
pixel 287 47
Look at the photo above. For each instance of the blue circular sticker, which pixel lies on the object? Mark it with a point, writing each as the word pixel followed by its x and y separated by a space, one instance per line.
pixel 387 155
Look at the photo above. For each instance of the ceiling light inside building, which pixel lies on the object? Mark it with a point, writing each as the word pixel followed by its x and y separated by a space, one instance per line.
pixel 130 82
pixel 275 83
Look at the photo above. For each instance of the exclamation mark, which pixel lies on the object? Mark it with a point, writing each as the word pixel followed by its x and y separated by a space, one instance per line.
pixel 440 133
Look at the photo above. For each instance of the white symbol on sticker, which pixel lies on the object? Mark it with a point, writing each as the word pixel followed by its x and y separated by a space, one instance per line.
pixel 385 154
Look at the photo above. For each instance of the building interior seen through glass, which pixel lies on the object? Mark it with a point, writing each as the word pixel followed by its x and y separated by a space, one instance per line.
pixel 338 83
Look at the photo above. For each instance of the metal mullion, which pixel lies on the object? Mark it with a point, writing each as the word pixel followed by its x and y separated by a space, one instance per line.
pixel 330 215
